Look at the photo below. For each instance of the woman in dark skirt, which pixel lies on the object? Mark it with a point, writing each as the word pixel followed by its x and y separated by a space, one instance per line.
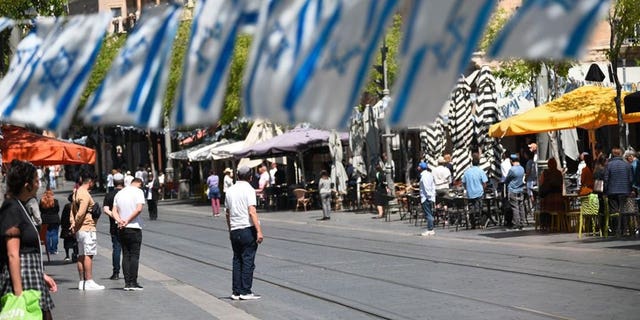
pixel 380 196
pixel 20 250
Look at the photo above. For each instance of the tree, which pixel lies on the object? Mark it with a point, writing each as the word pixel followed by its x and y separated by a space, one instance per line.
pixel 623 18
pixel 393 38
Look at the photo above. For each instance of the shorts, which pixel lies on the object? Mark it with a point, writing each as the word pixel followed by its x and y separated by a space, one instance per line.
pixel 87 243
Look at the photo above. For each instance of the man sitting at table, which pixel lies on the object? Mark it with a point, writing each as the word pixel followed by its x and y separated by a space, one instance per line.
pixel 515 188
pixel 475 180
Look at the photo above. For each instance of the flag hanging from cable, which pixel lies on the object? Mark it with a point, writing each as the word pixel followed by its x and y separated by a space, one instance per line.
pixel 204 77
pixel 549 29
pixel 439 40
pixel 5 23
pixel 310 59
pixel 133 90
pixel 53 77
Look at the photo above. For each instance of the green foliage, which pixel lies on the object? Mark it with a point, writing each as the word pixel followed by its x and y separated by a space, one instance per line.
pixel 393 38
pixel 110 48
pixel 496 23
pixel 623 18
pixel 233 100
pixel 177 63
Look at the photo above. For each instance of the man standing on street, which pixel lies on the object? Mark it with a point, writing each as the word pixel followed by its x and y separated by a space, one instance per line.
pixel 116 248
pixel 515 189
pixel 427 196
pixel 475 180
pixel 127 205
pixel 84 227
pixel 618 179
pixel 245 233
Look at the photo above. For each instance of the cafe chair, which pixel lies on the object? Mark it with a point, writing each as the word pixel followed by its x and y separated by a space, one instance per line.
pixel 301 198
pixel 589 207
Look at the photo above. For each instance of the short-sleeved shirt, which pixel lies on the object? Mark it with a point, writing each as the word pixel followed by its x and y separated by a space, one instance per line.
pixel 108 202
pixel 238 199
pixel 213 182
pixel 13 215
pixel 515 179
pixel 127 200
pixel 474 178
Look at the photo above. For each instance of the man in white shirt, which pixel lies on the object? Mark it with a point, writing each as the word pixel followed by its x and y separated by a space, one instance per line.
pixel 427 196
pixel 127 206
pixel 245 234
pixel 128 178
pixel 442 177
pixel 272 173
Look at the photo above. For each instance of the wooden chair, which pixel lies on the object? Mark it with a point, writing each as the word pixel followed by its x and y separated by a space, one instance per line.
pixel 301 198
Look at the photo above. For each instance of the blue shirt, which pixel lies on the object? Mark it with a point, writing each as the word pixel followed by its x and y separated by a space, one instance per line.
pixel 515 179
pixel 473 180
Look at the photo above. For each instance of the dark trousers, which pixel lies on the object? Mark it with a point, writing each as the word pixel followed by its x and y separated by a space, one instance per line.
pixel 153 209
pixel 130 239
pixel 475 211
pixel 244 245
pixel 116 249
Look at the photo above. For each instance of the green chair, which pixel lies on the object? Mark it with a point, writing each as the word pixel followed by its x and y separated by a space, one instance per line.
pixel 589 207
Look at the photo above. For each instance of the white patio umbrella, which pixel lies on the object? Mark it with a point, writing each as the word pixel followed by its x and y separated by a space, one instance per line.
pixel 461 127
pixel 356 143
pixel 338 174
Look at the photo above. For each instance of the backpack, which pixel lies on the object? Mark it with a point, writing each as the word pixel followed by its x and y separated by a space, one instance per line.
pixel 96 211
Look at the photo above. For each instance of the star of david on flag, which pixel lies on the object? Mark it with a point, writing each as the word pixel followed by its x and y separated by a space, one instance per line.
pixel 54 70
pixel 133 90
pixel 439 39
pixel 204 77
pixel 310 59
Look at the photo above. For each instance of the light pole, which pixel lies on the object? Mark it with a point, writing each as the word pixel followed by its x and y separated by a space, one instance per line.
pixel 387 132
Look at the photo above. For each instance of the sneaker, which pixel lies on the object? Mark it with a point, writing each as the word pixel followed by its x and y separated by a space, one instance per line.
pixel 115 276
pixel 67 259
pixel 81 285
pixel 128 287
pixel 428 233
pixel 249 296
pixel 136 287
pixel 235 296
pixel 90 285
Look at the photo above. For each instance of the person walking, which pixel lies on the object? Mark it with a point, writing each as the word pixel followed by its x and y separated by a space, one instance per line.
pixel 50 213
pixel 84 228
pixel 245 234
pixel 324 189
pixel 515 191
pixel 381 191
pixel 152 196
pixel 213 182
pixel 127 206
pixel 427 196
pixel 116 248
pixel 20 253
pixel 227 182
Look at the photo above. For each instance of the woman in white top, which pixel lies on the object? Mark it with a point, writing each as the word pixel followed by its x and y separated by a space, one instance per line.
pixel 324 188
pixel 227 181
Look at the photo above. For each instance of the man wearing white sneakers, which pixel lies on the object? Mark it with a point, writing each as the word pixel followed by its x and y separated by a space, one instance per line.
pixel 84 228
pixel 127 205
pixel 427 197
pixel 245 233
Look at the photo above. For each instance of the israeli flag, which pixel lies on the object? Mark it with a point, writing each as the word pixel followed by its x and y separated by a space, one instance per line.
pixel 439 39
pixel 54 71
pixel 132 91
pixel 5 23
pixel 311 58
pixel 204 77
pixel 549 29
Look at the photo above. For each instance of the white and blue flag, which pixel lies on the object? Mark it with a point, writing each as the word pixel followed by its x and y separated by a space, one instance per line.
pixel 133 90
pixel 5 23
pixel 311 58
pixel 49 74
pixel 204 77
pixel 549 29
pixel 439 40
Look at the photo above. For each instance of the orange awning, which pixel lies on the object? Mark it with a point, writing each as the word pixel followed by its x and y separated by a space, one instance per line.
pixel 19 143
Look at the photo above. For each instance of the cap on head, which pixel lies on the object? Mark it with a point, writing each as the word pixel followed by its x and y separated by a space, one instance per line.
pixel 228 170
pixel 422 165
pixel 441 160
pixel 244 170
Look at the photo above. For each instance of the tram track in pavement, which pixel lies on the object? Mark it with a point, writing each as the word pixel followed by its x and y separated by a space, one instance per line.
pixel 369 310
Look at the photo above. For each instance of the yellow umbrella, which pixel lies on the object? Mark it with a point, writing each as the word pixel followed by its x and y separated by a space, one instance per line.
pixel 587 107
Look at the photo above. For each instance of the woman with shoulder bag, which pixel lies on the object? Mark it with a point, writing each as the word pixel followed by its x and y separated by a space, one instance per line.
pixel 22 267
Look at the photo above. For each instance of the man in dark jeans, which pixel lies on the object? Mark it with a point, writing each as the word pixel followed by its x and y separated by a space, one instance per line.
pixel 245 233
pixel 127 205
pixel 116 249
pixel 618 179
